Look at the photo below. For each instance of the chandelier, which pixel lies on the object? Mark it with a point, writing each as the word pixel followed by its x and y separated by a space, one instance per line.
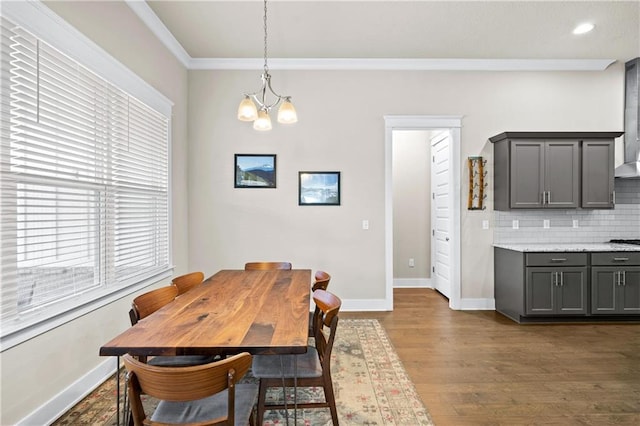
pixel 255 106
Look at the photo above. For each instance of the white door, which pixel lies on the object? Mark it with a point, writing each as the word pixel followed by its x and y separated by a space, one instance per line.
pixel 440 213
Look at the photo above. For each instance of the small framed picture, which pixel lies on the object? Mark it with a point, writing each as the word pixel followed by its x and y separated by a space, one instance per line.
pixel 255 171
pixel 318 188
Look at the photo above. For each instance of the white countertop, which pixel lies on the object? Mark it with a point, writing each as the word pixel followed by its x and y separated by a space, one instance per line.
pixel 568 247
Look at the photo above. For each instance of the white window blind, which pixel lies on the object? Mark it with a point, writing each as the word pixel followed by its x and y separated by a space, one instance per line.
pixel 84 177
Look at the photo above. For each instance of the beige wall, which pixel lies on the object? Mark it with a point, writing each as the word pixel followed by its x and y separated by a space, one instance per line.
pixel 39 369
pixel 411 204
pixel 341 127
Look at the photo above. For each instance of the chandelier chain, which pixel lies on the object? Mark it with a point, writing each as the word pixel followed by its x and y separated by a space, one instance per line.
pixel 266 68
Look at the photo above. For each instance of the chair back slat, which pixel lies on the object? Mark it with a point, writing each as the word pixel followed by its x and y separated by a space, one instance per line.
pixel 188 383
pixel 186 282
pixel 321 281
pixel 264 266
pixel 149 302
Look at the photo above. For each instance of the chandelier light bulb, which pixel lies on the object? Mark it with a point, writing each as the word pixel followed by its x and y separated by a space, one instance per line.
pixel 584 28
pixel 247 110
pixel 263 122
pixel 287 113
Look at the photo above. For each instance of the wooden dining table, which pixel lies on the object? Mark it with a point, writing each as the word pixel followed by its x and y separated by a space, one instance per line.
pixel 260 312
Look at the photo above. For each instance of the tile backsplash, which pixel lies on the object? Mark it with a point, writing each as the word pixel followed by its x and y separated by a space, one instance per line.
pixel 591 226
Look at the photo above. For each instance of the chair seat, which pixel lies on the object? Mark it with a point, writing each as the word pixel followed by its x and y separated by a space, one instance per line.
pixel 208 408
pixel 270 366
pixel 180 360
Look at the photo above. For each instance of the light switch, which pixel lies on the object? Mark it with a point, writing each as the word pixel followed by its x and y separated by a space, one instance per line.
pixel 485 224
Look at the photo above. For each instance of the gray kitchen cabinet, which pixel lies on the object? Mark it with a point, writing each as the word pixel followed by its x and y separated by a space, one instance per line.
pixel 540 170
pixel 533 287
pixel 545 174
pixel 567 286
pixel 615 283
pixel 556 290
pixel 598 174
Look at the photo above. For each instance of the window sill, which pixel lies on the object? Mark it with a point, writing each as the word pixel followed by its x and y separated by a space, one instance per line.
pixel 39 326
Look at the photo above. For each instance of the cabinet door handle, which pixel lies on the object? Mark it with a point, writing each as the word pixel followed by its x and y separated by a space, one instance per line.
pixel 613 197
pixel 559 259
pixel 623 276
pixel 620 259
pixel 546 197
pixel 561 279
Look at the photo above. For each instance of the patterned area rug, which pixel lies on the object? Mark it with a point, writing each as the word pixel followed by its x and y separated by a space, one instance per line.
pixel 371 386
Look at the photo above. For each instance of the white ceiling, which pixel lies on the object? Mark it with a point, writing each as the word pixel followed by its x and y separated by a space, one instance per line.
pixel 403 29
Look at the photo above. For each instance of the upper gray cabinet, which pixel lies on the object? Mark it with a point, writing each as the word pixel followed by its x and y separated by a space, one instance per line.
pixel 540 170
pixel 598 174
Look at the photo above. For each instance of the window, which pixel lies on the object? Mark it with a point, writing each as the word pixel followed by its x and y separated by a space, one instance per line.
pixel 84 179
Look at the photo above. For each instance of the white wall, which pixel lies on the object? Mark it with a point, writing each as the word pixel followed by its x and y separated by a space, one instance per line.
pixel 35 372
pixel 411 206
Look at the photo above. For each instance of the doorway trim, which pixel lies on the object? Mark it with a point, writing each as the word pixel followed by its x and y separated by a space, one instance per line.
pixel 453 123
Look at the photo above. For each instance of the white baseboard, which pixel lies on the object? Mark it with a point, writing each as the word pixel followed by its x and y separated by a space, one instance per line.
pixel 65 400
pixel 412 283
pixel 477 304
pixel 363 305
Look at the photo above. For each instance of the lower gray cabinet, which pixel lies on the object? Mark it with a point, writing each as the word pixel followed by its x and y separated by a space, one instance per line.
pixel 576 286
pixel 556 291
pixel 615 283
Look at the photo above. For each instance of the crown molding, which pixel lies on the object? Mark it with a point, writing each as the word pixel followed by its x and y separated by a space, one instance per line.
pixel 157 27
pixel 402 64
pixel 151 20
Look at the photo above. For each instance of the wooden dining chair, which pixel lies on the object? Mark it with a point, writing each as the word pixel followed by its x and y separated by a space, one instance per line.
pixel 146 304
pixel 204 395
pixel 264 266
pixel 311 369
pixel 321 282
pixel 186 282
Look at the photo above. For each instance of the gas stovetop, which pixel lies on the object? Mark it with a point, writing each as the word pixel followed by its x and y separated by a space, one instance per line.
pixel 634 242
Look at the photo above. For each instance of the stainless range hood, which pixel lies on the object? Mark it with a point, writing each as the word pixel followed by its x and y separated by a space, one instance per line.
pixel 631 167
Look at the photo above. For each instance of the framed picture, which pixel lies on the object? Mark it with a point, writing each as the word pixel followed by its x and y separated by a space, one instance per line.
pixel 318 188
pixel 255 171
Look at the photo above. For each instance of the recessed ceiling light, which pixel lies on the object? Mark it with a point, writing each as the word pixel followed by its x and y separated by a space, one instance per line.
pixel 583 28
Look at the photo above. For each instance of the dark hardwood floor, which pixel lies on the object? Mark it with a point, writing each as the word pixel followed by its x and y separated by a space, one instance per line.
pixel 480 368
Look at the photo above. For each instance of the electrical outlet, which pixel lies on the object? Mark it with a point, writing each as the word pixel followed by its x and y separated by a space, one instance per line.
pixel 546 224
pixel 515 224
pixel 485 224
pixel 365 224
pixel 412 262
pixel 575 223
